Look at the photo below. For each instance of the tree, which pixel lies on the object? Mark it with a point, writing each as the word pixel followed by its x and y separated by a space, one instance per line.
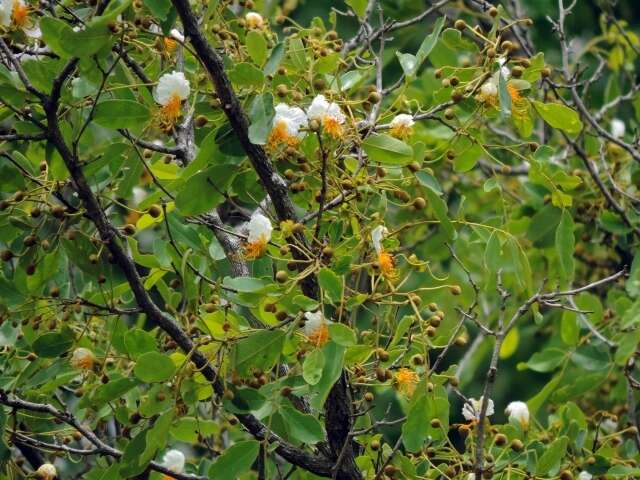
pixel 237 244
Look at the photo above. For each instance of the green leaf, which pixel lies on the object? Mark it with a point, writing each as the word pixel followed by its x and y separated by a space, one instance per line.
pixel 342 335
pixel 565 245
pixel 121 114
pixel 429 181
pixel 387 150
pixel 53 344
pixel 65 42
pixel 541 397
pixel 312 366
pixel 411 63
pixel 159 8
pixel 440 210
pixel 559 116
pixel 414 432
pixel 331 284
pixel 236 460
pixel 261 115
pixel 503 94
pixel 358 6
pixel 297 53
pixel 303 427
pixel 246 75
pixel 552 456
pixel 138 342
pixel 245 400
pixel 256 46
pixel 108 392
pixel 569 328
pixel 492 253
pixel 261 350
pixel 334 360
pixel 135 456
pixel 547 360
pixel 245 284
pixel 209 184
pixel 510 344
pixel 154 367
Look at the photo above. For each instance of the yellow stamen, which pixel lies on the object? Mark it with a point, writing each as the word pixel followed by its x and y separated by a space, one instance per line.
pixel 514 93
pixel 332 126
pixel 402 131
pixel 519 104
pixel 253 250
pixel 171 111
pixel 169 44
pixel 406 381
pixel 279 135
pixel 320 335
pixel 387 265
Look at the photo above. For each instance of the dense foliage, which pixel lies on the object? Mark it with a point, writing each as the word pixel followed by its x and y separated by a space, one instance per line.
pixel 393 240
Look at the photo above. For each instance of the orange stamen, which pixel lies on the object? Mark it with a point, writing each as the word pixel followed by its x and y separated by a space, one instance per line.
pixel 253 250
pixel 279 135
pixel 387 265
pixel 20 13
pixel 514 93
pixel 171 111
pixel 320 335
pixel 169 44
pixel 332 126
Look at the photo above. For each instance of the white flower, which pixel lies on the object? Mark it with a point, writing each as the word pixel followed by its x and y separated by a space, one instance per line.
pixel 6 11
pixel 172 86
pixel 609 426
pixel 471 476
pixel 174 460
pixel 471 409
pixel 518 411
pixel 176 35
pixel 172 89
pixel 402 125
pixel 82 358
pixel 504 70
pixel 377 234
pixel 618 128
pixel 584 475
pixel 46 471
pixel 287 124
pixel 316 328
pixel 259 235
pixel 259 228
pixel 254 20
pixel 328 114
pixel 489 89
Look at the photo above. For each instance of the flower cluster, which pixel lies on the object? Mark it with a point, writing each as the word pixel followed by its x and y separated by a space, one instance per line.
pixel 290 123
pixel 516 411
